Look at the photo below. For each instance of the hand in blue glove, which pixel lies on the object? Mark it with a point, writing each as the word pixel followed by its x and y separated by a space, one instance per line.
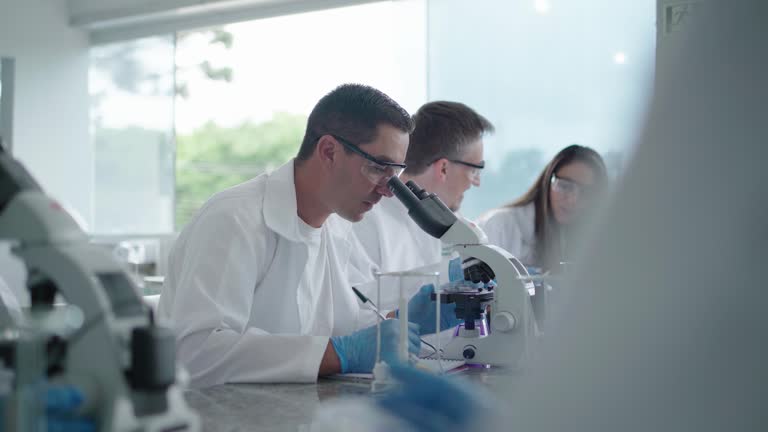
pixel 433 403
pixel 61 405
pixel 357 352
pixel 455 271
pixel 421 310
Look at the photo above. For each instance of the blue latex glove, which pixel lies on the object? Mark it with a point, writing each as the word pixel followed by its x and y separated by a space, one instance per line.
pixel 433 403
pixel 533 270
pixel 421 310
pixel 455 272
pixel 357 352
pixel 61 405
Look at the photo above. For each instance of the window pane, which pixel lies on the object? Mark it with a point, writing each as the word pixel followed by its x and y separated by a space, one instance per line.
pixel 246 89
pixel 131 88
pixel 548 74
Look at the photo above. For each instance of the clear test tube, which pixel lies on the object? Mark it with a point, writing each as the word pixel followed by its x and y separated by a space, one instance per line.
pixel 403 306
pixel 378 317
pixel 438 345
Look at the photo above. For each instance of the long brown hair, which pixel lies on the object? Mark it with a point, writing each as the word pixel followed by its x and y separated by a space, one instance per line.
pixel 548 246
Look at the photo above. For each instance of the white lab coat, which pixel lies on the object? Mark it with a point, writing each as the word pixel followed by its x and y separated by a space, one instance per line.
pixel 395 243
pixel 392 239
pixel 512 229
pixel 234 291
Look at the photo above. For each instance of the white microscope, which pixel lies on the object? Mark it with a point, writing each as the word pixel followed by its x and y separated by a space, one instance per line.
pixel 512 324
pixel 119 358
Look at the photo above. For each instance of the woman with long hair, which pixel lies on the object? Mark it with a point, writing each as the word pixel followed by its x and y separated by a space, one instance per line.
pixel 537 226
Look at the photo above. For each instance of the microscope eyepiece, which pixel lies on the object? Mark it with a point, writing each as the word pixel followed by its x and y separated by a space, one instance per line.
pixel 419 192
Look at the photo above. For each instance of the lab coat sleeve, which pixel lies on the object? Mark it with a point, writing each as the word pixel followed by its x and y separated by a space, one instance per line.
pixel 225 258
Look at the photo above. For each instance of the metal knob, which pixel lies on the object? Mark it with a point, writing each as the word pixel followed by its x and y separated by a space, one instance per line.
pixel 503 321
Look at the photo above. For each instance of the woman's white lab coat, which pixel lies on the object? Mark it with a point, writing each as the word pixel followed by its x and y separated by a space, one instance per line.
pixel 234 292
pixel 512 229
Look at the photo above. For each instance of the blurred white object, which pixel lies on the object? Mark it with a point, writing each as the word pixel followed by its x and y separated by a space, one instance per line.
pixel 136 254
pixel 11 313
pixel 152 301
pixel 131 252
pixel 670 333
pixel 117 347
pixel 14 273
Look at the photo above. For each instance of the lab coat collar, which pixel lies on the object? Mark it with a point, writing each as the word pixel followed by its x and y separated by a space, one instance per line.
pixel 281 211
pixel 280 208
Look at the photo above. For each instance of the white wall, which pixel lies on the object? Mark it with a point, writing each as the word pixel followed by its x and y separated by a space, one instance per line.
pixel 51 104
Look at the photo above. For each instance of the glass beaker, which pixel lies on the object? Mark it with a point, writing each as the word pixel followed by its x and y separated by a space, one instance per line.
pixel 405 284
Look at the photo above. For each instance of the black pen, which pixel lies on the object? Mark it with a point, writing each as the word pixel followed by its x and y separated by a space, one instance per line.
pixel 365 300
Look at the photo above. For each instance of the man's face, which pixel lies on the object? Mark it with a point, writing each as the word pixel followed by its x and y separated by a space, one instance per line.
pixel 360 182
pixel 460 177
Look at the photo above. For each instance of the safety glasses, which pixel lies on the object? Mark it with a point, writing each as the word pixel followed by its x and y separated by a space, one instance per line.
pixel 475 169
pixel 564 186
pixel 375 170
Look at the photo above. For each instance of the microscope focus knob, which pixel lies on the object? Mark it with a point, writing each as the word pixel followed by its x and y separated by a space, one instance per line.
pixel 468 353
pixel 503 321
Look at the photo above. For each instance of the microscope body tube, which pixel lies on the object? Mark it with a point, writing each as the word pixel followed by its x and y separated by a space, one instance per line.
pixel 426 209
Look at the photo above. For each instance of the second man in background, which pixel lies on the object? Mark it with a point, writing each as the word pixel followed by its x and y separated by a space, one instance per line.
pixel 445 157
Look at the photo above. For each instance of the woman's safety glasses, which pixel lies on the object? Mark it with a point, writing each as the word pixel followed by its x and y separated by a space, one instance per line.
pixel 375 170
pixel 564 186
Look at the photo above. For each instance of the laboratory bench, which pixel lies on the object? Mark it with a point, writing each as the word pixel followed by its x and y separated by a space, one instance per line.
pixel 288 407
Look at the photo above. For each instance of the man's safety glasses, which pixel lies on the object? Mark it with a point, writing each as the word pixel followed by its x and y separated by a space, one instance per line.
pixel 475 169
pixel 375 170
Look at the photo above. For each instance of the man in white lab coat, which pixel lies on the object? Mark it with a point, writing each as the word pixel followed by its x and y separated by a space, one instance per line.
pixel 445 157
pixel 260 278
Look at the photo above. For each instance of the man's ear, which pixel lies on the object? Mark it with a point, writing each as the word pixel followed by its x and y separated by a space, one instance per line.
pixel 440 170
pixel 327 150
